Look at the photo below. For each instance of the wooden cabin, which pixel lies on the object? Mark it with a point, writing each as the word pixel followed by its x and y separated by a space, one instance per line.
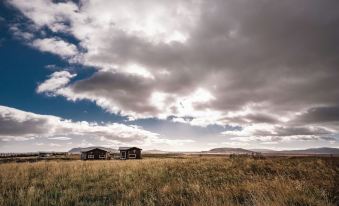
pixel 130 153
pixel 95 154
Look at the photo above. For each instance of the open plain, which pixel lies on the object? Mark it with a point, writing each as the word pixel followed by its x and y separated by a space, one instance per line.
pixel 173 180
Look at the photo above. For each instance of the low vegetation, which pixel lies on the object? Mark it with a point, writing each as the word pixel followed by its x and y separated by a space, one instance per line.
pixel 173 181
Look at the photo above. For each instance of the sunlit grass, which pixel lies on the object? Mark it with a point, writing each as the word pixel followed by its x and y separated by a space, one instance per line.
pixel 172 181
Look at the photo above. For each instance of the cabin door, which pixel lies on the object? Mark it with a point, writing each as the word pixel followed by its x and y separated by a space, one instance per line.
pixel 123 155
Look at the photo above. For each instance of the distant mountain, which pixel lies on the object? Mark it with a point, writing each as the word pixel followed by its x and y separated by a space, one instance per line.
pixel 75 150
pixel 264 150
pixel 78 150
pixel 155 151
pixel 310 151
pixel 229 150
pixel 321 150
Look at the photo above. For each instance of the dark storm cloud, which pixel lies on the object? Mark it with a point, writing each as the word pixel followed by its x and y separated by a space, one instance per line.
pixel 260 118
pixel 283 52
pixel 126 90
pixel 280 133
pixel 302 131
pixel 320 115
pixel 11 126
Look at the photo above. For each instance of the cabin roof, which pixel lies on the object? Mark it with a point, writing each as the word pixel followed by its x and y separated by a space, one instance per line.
pixel 90 149
pixel 129 148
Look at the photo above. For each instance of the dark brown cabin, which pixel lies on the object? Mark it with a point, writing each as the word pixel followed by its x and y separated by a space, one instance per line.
pixel 95 154
pixel 130 153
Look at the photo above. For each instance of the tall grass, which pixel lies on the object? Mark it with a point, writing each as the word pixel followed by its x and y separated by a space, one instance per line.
pixel 173 181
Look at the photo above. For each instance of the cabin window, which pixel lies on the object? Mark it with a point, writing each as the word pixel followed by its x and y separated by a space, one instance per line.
pixel 123 155
pixel 132 155
pixel 90 156
pixel 102 156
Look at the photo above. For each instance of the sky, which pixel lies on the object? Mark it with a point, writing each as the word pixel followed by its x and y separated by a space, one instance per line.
pixel 169 75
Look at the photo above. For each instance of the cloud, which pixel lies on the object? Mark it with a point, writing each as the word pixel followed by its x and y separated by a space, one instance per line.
pixel 43 12
pixel 276 133
pixel 60 138
pixel 55 46
pixel 55 145
pixel 247 63
pixel 320 115
pixel 17 125
pixel 18 33
pixel 57 80
pixel 128 94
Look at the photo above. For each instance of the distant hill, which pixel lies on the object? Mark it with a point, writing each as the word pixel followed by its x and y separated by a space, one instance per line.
pixel 264 150
pixel 321 150
pixel 155 151
pixel 310 151
pixel 77 150
pixel 229 150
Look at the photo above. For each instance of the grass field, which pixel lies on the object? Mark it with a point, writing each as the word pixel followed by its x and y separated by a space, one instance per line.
pixel 173 181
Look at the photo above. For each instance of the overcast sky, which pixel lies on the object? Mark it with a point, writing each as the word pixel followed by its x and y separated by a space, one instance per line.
pixel 170 75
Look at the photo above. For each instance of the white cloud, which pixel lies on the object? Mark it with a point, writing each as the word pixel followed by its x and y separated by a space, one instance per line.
pixel 56 81
pixel 60 138
pixel 18 33
pixel 45 12
pixel 55 46
pixel 138 70
pixel 17 125
pixel 54 145
pixel 39 143
pixel 166 21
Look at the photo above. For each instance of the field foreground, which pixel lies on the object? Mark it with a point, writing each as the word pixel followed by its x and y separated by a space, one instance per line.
pixel 173 181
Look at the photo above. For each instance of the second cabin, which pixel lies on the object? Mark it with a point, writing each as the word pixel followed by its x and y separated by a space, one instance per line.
pixel 130 153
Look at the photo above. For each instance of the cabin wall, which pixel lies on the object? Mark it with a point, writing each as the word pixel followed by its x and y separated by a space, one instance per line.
pixel 138 154
pixel 123 154
pixel 131 154
pixel 95 155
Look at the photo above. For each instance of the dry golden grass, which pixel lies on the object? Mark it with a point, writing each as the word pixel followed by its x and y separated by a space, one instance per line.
pixel 172 181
